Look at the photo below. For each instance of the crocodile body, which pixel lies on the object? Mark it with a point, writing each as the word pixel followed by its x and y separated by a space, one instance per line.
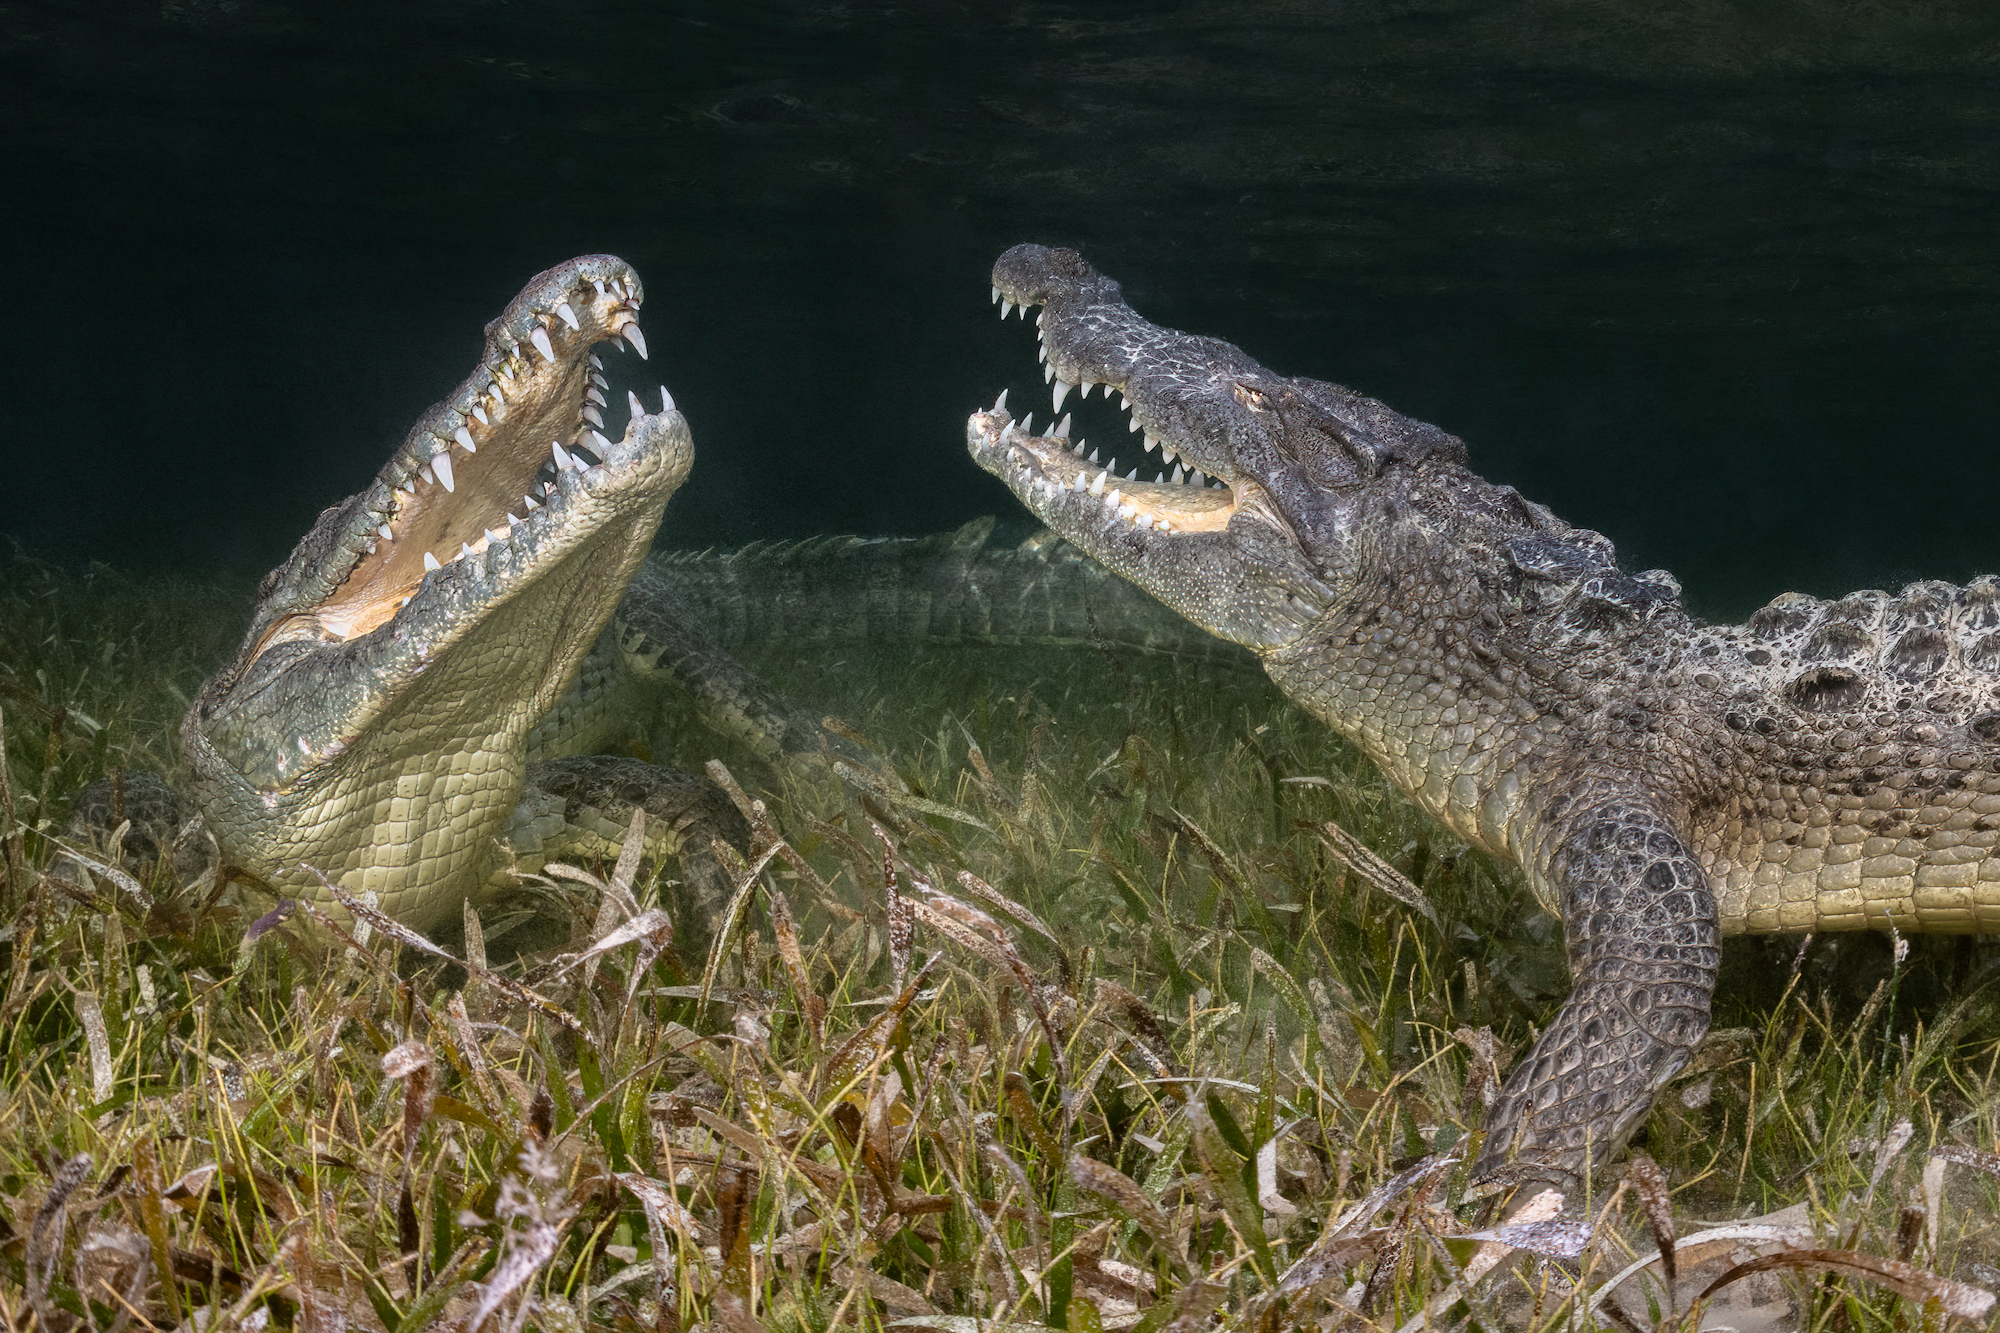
pixel 1662 781
pixel 405 712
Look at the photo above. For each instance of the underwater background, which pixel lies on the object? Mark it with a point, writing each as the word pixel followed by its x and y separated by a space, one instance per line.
pixel 1720 280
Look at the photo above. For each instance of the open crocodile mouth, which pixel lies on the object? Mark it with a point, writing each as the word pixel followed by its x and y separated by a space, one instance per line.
pixel 496 465
pixel 1078 489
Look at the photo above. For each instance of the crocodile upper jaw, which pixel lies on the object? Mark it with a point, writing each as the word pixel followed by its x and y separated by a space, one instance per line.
pixel 370 727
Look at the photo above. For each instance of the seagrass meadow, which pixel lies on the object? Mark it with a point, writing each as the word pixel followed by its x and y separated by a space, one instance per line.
pixel 1119 995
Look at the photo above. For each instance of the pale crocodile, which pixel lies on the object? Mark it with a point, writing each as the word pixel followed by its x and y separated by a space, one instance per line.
pixel 1827 766
pixel 400 712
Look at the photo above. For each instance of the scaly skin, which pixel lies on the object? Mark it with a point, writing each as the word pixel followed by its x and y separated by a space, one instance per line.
pixel 1828 766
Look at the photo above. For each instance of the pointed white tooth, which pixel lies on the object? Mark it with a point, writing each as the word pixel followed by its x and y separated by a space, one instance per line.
pixel 431 561
pixel 441 464
pixel 513 522
pixel 539 336
pixel 1079 484
pixel 1097 482
pixel 496 534
pixel 1093 456
pixel 1164 526
pixel 532 502
pixel 1179 474
pixel 1000 403
pixel 382 529
pixel 1142 523
pixel 598 444
pixel 1049 373
pixel 1126 511
pixel 1196 477
pixel 1114 497
pixel 666 400
pixel 464 550
pixel 1133 475
pixel 480 412
pixel 592 415
pixel 426 473
pixel 563 459
pixel 1167 454
pixel 1159 478
pixel 1152 442
pixel 1006 309
pixel 594 395
pixel 599 284
pixel 1077 449
pixel 1007 431
pixel 1087 386
pixel 1062 391
pixel 1028 424
pixel 1123 401
pixel 596 363
pixel 1132 425
pixel 1061 431
pixel 464 437
pixel 996 296
pixel 1041 352
pixel 567 316
pixel 636 338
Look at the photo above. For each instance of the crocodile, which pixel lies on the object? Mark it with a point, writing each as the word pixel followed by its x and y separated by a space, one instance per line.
pixel 413 707
pixel 1661 781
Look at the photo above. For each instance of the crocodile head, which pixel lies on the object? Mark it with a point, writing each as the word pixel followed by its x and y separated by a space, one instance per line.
pixel 1249 535
pixel 370 727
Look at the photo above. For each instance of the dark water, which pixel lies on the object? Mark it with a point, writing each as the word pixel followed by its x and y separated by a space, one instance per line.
pixel 1720 280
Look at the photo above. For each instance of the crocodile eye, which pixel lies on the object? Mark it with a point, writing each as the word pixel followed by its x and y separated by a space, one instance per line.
pixel 1250 398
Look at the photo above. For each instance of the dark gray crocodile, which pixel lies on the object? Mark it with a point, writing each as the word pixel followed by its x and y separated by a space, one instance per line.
pixel 407 709
pixel 1827 766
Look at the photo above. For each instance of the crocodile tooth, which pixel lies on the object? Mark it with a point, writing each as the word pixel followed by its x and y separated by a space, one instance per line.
pixel 442 466
pixel 464 550
pixel 1152 442
pixel 636 339
pixel 599 284
pixel 1028 424
pixel 594 395
pixel 1113 498
pixel 1000 403
pixel 1159 478
pixel 1079 484
pixel 426 473
pixel 532 502
pixel 480 412
pixel 1049 373
pixel 1062 391
pixel 996 296
pixel 1078 449
pixel 1007 432
pixel 1061 432
pixel 539 336
pixel 598 443
pixel 431 562
pixel 595 362
pixel 1006 308
pixel 513 522
pixel 1097 482
pixel 1126 511
pixel 1123 401
pixel 385 533
pixel 1133 475
pixel 666 401
pixel 464 437
pixel 1142 523
pixel 592 415
pixel 1179 474
pixel 1093 456
pixel 370 547
pixel 1196 477
pixel 568 316
pixel 563 459
pixel 1041 352
pixel 496 534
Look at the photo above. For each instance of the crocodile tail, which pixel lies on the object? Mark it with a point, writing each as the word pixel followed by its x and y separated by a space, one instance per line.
pixel 953 588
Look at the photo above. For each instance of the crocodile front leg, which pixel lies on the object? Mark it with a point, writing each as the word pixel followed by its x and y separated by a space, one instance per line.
pixel 1644 947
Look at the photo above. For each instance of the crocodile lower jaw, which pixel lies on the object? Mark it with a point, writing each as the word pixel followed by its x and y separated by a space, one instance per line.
pixel 1068 488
